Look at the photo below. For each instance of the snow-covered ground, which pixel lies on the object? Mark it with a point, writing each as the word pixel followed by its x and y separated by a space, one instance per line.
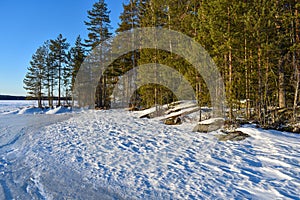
pixel 116 155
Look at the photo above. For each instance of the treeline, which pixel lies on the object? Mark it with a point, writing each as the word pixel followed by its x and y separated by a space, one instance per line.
pixel 255 44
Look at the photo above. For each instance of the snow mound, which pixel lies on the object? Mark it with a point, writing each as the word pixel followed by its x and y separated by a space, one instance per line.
pixel 10 112
pixel 30 110
pixel 59 110
pixel 211 121
pixel 34 110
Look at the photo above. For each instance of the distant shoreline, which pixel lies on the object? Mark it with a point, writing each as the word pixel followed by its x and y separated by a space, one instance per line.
pixel 10 97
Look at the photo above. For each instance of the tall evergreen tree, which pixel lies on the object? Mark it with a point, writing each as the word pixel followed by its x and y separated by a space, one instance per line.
pixel 129 20
pixel 99 31
pixel 76 58
pixel 34 78
pixel 50 74
pixel 98 24
pixel 59 48
pixel 129 17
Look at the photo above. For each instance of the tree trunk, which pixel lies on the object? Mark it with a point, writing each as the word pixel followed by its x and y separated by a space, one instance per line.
pixel 251 93
pixel 296 65
pixel 265 101
pixel 296 91
pixel 40 94
pixel 259 86
pixel 59 80
pixel 230 69
pixel 281 82
pixel 49 92
pixel 52 91
pixel 247 80
pixel 230 86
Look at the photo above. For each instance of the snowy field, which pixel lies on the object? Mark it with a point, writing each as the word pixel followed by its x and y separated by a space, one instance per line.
pixel 116 155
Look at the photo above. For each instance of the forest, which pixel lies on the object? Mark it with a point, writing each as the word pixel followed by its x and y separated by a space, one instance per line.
pixel 255 45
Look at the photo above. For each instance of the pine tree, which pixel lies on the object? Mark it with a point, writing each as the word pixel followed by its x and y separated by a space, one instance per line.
pixel 35 76
pixel 59 48
pixel 50 74
pixel 98 24
pixel 99 32
pixel 129 17
pixel 76 58
pixel 152 15
pixel 129 20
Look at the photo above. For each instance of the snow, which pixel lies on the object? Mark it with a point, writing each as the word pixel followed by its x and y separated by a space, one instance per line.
pixel 114 154
pixel 183 105
pixel 211 121
pixel 146 111
pixel 59 110
pixel 178 113
pixel 29 108
pixel 35 110
pixel 12 106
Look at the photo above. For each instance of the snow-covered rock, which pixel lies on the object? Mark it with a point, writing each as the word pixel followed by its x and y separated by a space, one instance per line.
pixel 209 125
pixel 233 136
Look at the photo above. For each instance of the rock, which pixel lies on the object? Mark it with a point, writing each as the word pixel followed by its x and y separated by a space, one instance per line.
pixel 209 125
pixel 293 128
pixel 133 108
pixel 230 125
pixel 233 136
pixel 296 128
pixel 173 121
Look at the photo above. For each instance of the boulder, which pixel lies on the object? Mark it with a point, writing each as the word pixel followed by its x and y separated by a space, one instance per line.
pixel 209 125
pixel 173 121
pixel 230 125
pixel 233 136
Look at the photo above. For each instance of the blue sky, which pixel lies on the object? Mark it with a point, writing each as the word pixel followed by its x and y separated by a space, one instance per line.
pixel 25 25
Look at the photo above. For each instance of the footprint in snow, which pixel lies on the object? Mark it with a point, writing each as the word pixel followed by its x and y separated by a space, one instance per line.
pixel 79 159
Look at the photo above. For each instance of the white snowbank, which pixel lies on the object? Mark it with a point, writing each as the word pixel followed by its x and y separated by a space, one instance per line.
pixel 35 110
pixel 30 110
pixel 211 121
pixel 59 110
